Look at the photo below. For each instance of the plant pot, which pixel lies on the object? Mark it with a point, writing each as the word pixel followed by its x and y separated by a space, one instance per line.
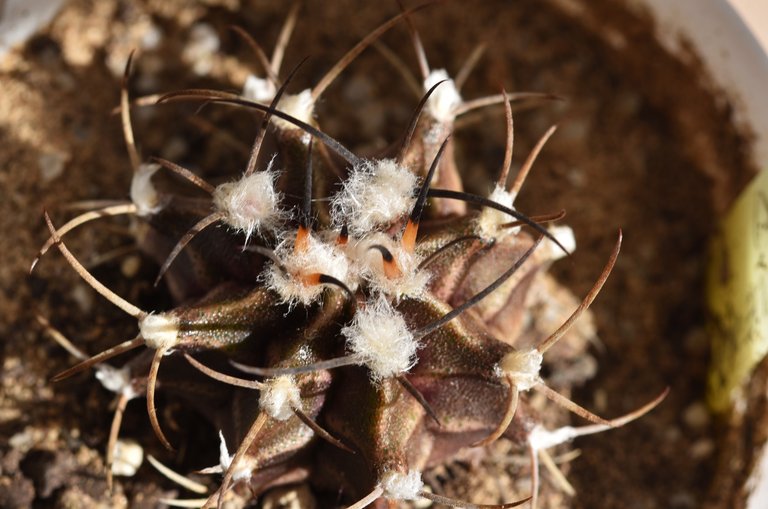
pixel 656 143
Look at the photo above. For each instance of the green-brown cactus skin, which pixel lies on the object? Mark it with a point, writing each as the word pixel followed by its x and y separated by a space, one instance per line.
pixel 406 395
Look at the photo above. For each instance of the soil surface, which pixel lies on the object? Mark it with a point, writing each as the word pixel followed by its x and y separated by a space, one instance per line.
pixel 644 144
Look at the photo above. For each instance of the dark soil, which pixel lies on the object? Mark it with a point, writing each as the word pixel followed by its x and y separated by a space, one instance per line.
pixel 644 144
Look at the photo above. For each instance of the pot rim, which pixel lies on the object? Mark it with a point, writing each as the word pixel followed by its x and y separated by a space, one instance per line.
pixel 732 56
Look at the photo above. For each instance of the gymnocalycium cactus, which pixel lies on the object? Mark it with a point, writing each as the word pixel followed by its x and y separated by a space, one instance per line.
pixel 378 324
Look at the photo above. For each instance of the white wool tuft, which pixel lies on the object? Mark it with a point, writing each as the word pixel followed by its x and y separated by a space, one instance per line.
pixel 242 473
pixel 280 397
pixel 259 89
pixel 541 438
pixel 565 236
pixel 376 193
pixel 117 380
pixel 380 336
pixel 143 193
pixel 523 367
pixel 251 203
pixel 159 331
pixel 319 257
pixel 489 220
pixel 412 282
pixel 300 106
pixel 399 486
pixel 445 99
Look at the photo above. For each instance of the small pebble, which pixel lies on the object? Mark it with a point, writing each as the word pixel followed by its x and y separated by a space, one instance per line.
pixel 83 296
pixel 51 165
pixel 130 266
pixel 152 37
pixel 175 149
pixel 358 89
pixel 672 434
pixel 696 416
pixel 696 342
pixel 128 458
pixel 702 449
pixel 20 19
pixel 601 400
pixel 615 38
pixel 16 492
pixel 628 103
pixel 576 130
pixel 682 500
pixel 575 176
pixel 201 49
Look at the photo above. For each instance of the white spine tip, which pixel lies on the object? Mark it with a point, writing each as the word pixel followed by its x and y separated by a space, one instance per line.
pixel 380 336
pixel 280 397
pixel 399 486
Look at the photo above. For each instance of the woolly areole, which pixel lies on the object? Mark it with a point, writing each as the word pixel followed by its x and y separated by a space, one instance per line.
pixel 300 106
pixel 399 486
pixel 523 367
pixel 490 220
pixel 159 331
pixel 117 380
pixel 280 397
pixel 564 235
pixel 380 336
pixel 541 438
pixel 251 203
pixel 376 193
pixel 443 102
pixel 410 282
pixel 258 89
pixel 319 257
pixel 143 193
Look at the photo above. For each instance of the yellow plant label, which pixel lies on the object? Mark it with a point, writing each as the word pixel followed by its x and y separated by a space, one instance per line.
pixel 737 295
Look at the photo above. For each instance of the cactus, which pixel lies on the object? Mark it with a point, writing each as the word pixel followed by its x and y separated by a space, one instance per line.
pixel 357 337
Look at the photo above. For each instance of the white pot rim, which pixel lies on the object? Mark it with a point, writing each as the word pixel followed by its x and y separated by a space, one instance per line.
pixel 730 52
